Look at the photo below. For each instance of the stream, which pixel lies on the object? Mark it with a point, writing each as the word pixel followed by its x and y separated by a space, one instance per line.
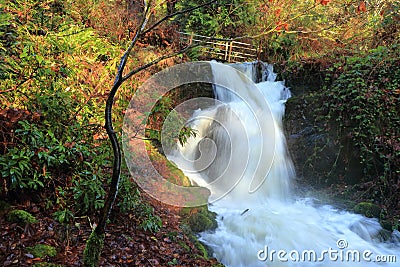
pixel 240 155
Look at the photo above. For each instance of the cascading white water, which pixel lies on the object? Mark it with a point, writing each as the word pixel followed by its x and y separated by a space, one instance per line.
pixel 240 154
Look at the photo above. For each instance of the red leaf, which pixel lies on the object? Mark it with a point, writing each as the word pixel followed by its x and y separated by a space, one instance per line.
pixel 286 26
pixel 324 2
pixel 362 7
pixel 282 25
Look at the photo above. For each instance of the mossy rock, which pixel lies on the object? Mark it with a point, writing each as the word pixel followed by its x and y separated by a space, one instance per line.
pixel 172 173
pixel 21 217
pixel 387 225
pixel 385 234
pixel 203 251
pixel 368 209
pixel 41 251
pixel 200 219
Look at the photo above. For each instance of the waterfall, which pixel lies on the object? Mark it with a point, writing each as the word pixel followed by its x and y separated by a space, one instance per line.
pixel 240 155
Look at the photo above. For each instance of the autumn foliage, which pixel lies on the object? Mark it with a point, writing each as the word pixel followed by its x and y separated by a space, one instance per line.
pixel 58 61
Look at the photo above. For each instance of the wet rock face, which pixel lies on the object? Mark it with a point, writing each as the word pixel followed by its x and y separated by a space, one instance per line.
pixel 319 155
pixel 367 209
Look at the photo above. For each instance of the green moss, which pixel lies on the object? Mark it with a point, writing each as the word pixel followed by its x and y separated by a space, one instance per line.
pixel 172 173
pixel 201 248
pixel 184 246
pixel 94 246
pixel 200 222
pixel 199 219
pixel 41 251
pixel 46 264
pixel 387 225
pixel 204 253
pixel 21 217
pixel 368 209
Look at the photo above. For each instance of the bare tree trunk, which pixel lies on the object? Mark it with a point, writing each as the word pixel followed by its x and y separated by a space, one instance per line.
pixel 95 243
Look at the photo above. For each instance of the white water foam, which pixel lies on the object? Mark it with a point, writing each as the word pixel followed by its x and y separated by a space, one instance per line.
pixel 243 160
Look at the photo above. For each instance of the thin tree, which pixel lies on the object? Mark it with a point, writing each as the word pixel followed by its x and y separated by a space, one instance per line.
pixel 95 243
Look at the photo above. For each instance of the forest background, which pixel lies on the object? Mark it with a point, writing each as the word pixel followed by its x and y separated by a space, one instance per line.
pixel 58 63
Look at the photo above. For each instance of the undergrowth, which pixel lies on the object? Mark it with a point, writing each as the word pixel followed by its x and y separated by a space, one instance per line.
pixel 361 97
pixel 55 79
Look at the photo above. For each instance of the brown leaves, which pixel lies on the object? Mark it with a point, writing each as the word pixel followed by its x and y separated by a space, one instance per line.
pixel 32 260
pixel 126 244
pixel 362 7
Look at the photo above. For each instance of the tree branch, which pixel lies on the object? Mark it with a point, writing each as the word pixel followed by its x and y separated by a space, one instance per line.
pixel 133 72
pixel 175 14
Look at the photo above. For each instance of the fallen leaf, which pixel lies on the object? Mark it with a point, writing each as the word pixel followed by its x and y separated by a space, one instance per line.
pixel 362 7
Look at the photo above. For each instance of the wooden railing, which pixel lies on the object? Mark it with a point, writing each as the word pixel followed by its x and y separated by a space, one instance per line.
pixel 224 49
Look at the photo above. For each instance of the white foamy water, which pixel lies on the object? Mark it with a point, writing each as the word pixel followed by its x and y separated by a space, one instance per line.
pixel 240 155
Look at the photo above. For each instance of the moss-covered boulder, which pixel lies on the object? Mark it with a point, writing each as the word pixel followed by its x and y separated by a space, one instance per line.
pixel 200 219
pixel 42 251
pixel 387 225
pixel 368 209
pixel 21 217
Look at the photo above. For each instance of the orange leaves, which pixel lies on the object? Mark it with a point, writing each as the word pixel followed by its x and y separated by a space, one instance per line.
pixel 362 7
pixel 282 25
pixel 263 8
pixel 324 2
